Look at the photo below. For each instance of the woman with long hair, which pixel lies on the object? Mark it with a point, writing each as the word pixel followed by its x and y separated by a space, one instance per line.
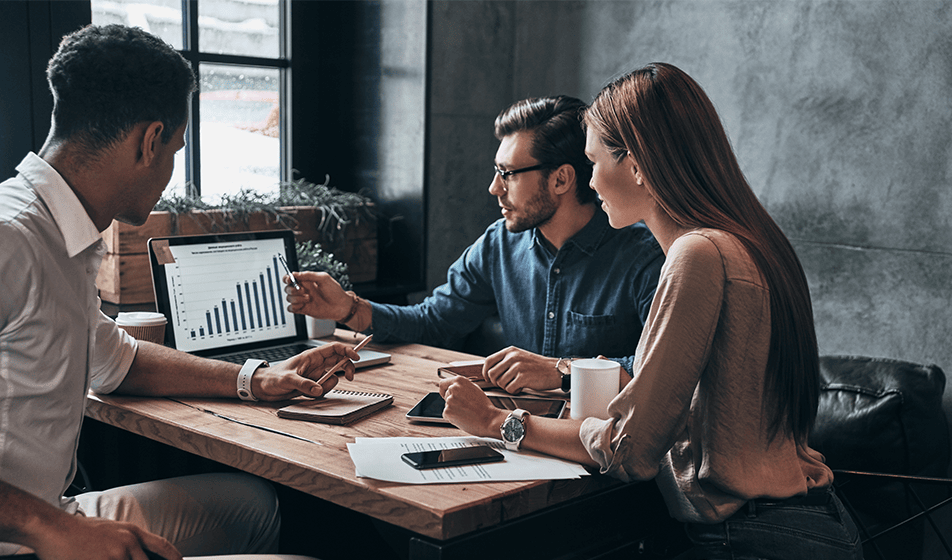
pixel 726 376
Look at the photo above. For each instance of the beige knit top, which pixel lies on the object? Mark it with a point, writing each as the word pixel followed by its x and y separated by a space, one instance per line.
pixel 693 415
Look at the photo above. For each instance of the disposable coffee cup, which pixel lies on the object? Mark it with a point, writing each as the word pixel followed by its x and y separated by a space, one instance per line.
pixel 594 385
pixel 143 325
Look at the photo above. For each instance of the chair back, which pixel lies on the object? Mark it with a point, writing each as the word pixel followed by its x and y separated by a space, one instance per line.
pixel 885 417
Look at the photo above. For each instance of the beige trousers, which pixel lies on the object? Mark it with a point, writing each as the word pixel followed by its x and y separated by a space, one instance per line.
pixel 202 515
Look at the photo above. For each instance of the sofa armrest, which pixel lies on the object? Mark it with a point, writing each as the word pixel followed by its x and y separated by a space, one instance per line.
pixel 883 416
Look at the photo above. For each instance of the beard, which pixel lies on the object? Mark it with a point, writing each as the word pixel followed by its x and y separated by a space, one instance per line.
pixel 537 211
pixel 131 218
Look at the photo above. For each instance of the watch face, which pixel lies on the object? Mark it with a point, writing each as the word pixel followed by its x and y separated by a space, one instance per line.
pixel 513 430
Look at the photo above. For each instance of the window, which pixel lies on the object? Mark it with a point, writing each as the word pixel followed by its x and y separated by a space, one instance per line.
pixel 237 135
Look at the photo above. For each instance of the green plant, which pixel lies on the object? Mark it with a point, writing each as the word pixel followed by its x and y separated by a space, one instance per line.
pixel 180 204
pixel 238 207
pixel 312 257
pixel 338 208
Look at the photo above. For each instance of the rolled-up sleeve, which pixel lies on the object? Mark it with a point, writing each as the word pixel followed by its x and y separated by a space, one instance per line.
pixel 451 312
pixel 113 351
pixel 596 436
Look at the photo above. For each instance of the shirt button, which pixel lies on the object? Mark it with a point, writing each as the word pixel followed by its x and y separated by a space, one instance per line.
pixel 551 315
pixel 557 271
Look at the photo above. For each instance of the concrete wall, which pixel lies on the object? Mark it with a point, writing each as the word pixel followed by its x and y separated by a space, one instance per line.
pixel 840 113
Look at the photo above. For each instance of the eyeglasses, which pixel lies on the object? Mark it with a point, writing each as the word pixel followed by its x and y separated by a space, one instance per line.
pixel 510 172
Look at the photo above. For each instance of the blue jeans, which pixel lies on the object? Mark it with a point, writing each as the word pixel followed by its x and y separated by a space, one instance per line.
pixel 764 530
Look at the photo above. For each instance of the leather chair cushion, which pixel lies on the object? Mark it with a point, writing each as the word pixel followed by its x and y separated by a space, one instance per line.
pixel 882 415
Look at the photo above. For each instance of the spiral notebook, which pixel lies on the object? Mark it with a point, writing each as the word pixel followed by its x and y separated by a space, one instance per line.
pixel 336 407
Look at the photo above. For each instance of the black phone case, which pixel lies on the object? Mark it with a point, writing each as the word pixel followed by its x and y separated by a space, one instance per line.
pixel 408 459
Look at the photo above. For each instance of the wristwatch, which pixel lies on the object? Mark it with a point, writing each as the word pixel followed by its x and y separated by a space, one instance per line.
pixel 513 429
pixel 244 378
pixel 564 365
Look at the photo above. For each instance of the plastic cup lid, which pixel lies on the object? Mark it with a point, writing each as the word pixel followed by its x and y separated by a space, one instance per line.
pixel 140 319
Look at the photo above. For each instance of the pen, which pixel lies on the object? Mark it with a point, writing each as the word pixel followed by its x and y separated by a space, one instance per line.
pixel 341 363
pixel 288 269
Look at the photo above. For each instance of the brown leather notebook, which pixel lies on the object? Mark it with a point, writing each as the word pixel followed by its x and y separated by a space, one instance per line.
pixel 336 407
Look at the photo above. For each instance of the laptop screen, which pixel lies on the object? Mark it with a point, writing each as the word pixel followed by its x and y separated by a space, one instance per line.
pixel 223 292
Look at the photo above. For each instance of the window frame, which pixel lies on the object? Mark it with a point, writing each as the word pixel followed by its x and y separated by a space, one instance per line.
pixel 191 50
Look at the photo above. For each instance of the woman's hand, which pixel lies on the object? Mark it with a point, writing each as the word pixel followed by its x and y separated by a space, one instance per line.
pixel 299 375
pixel 469 409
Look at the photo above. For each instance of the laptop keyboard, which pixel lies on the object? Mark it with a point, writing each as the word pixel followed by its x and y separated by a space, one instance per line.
pixel 272 355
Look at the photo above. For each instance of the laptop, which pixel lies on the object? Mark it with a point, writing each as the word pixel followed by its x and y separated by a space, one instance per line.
pixel 224 299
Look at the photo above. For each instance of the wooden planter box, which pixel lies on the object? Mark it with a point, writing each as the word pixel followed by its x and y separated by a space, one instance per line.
pixel 125 277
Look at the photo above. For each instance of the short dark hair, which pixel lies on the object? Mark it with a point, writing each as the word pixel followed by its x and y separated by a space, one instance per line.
pixel 107 79
pixel 557 135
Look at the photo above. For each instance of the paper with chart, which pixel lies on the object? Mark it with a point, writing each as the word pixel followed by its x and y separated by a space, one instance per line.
pixel 379 458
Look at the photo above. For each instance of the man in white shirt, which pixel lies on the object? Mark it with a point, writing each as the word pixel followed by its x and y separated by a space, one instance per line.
pixel 120 111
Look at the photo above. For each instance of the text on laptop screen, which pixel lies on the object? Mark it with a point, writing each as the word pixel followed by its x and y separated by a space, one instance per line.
pixel 226 293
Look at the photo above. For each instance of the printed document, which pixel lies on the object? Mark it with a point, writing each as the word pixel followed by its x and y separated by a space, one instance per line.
pixel 379 458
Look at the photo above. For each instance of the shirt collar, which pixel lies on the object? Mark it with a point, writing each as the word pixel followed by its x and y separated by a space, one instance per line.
pixel 78 230
pixel 586 239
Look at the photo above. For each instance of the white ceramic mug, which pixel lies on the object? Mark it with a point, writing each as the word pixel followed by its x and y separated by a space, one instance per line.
pixel 318 328
pixel 143 325
pixel 594 385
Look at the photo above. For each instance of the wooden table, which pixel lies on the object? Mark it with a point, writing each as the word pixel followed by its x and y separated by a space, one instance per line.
pixel 446 520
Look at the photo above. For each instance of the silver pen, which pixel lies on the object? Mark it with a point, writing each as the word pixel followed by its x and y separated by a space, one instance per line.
pixel 288 269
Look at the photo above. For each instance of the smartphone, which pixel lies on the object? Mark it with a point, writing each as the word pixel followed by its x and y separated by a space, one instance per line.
pixel 451 457
pixel 430 407
pixel 470 370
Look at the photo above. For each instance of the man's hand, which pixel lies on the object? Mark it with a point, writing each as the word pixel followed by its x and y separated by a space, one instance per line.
pixel 320 296
pixel 513 369
pixel 54 534
pixel 468 408
pixel 299 375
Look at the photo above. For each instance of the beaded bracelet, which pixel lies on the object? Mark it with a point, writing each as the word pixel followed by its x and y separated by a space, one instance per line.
pixel 353 309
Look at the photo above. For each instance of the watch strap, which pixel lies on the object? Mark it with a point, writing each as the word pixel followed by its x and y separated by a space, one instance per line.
pixel 518 415
pixel 244 378
pixel 564 367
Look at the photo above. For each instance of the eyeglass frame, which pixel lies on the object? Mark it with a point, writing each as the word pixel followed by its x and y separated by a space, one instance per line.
pixel 504 175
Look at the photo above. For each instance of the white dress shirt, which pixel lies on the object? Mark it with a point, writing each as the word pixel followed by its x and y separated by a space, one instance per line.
pixel 55 343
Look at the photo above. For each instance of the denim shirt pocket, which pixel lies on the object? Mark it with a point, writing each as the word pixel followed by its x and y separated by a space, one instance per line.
pixel 591 335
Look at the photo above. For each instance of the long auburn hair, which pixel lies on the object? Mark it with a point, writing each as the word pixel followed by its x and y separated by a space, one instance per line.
pixel 664 118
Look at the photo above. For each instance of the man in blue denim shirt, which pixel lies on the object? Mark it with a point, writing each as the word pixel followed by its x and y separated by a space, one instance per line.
pixel 564 283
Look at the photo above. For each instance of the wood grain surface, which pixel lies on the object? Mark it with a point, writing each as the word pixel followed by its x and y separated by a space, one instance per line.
pixel 321 466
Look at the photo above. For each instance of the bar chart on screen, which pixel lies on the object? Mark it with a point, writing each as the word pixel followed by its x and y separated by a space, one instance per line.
pixel 228 292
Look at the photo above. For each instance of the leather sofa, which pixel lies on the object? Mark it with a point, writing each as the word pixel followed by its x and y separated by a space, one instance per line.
pixel 884 416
